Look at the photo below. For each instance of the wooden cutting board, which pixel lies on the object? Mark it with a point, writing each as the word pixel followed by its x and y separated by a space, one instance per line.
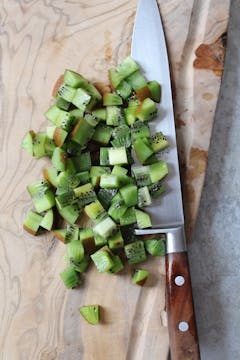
pixel 39 39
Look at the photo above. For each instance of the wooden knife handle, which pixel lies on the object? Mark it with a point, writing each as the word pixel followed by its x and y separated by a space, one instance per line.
pixel 181 319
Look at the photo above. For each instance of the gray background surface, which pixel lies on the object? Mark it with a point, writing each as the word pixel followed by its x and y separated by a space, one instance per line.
pixel 215 248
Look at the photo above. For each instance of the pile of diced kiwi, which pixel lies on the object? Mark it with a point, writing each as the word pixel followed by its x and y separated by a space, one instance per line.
pixel 92 141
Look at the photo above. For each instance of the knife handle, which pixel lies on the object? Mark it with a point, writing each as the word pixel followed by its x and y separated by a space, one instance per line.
pixel 180 310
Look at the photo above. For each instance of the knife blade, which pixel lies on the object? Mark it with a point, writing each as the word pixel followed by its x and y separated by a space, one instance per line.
pixel 149 50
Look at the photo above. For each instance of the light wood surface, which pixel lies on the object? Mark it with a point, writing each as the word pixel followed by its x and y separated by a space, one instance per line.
pixel 39 39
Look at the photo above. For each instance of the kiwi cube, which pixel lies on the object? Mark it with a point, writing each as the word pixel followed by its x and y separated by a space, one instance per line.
pixel 136 80
pixel 155 247
pixel 158 142
pixel 116 241
pixel 113 115
pixel 75 251
pixel 74 79
pixel 87 238
pixel 116 211
pixel 156 189
pixel 44 202
pixel 155 89
pixel 140 130
pixel 102 134
pixel 59 136
pixel 95 211
pixel 158 171
pixel 72 233
pixel 39 145
pixel 102 260
pixel 142 150
pixel 105 228
pixel 32 222
pixel 81 99
pixel 60 234
pixel 117 265
pixel 59 159
pixel 47 221
pixel 119 170
pixel 53 113
pixel 66 199
pixel 66 92
pixel 135 252
pixel 115 78
pixel 70 278
pixel 83 265
pixel 27 143
pixel 131 112
pixel 70 213
pixel 82 132
pixel 117 156
pixel 104 158
pixel 62 103
pixel 144 198
pixel 143 219
pixel 151 160
pixel 90 313
pixel 51 174
pixel 124 89
pixel 38 188
pixel 100 114
pixel 111 99
pixel 96 172
pixel 82 162
pixel 139 277
pixel 129 217
pixel 127 67
pixel 146 110
pixel 142 175
pixel 121 136
pixel 105 196
pixel 99 240
pixel 85 194
pixel 129 194
pixel 109 181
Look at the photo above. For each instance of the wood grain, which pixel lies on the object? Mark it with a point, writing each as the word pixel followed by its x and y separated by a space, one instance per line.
pixel 38 40
pixel 183 344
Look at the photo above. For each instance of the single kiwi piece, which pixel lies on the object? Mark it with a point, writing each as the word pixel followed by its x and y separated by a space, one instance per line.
pixel 139 277
pixel 155 247
pixel 70 277
pixel 27 143
pixel 144 198
pixel 102 260
pixel 143 219
pixel 135 252
pixel 48 220
pixel 32 222
pixel 90 313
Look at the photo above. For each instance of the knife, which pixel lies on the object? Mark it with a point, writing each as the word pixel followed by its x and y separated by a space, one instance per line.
pixel 149 50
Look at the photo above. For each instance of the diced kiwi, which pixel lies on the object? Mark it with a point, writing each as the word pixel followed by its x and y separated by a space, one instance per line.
pixel 143 219
pixel 47 221
pixel 111 99
pixel 81 99
pixel 119 170
pixel 117 265
pixel 129 194
pixel 60 234
pixel 109 181
pixel 39 145
pixel 131 112
pixel 59 159
pixel 91 119
pixel 87 238
pixel 136 80
pixel 66 92
pixel 152 159
pixel 104 158
pixel 96 172
pixel 155 247
pixel 121 136
pixel 117 156
pixel 76 114
pixel 82 132
pixel 62 103
pixel 83 265
pixel 49 146
pixel 42 196
pixel 158 142
pixel 129 217
pixel 32 222
pixel 65 120
pixel 72 233
pixel 90 313
pixel 74 79
pixel 116 211
pixel 27 143
pixel 139 277
pixel 102 134
pixel 102 260
pixel 53 113
pixel 105 228
pixel 51 174
pixel 100 114
pixel 155 89
pixel 114 115
pixel 142 176
pixel 158 171
pixel 59 136
pixel 68 180
pixel 116 241
pixel 105 196
pixel 124 90
pixel 142 150
pixel 70 278
pixel 127 67
pixel 69 213
pixel 82 162
pixel 95 211
pixel 99 240
pixel 66 199
pixel 146 110
pixel 85 194
pixel 156 189
pixel 144 198
pixel 50 131
pixel 140 130
pixel 135 252
pixel 115 78
pixel 75 251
